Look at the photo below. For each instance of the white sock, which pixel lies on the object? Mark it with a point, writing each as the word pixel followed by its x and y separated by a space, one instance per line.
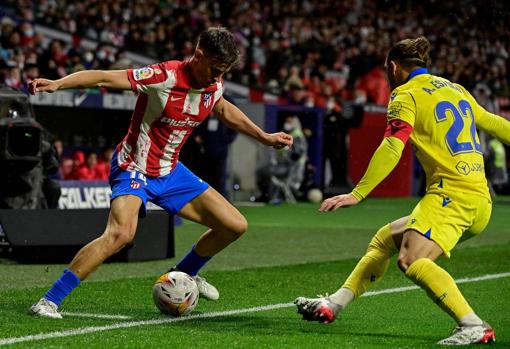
pixel 342 297
pixel 470 320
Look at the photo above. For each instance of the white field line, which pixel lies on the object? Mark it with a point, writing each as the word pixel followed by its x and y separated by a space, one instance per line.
pixel 458 281
pixel 128 324
pixel 98 316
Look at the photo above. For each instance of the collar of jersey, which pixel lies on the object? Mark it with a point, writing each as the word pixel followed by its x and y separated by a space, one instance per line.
pixel 417 71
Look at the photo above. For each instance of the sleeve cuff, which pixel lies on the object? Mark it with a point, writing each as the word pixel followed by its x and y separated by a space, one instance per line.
pixel 357 195
pixel 134 87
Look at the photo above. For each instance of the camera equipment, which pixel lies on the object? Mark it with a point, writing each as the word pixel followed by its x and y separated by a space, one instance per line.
pixel 21 167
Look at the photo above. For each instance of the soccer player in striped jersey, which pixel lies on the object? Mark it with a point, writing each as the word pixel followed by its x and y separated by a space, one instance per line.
pixel 440 118
pixel 173 98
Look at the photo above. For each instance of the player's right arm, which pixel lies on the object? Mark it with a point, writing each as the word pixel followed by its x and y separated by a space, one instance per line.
pixel 114 79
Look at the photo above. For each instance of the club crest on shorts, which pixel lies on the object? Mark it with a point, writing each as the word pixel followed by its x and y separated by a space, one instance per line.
pixel 207 99
pixel 135 184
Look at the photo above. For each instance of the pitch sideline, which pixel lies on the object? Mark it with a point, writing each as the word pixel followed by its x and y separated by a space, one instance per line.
pixel 128 324
pixel 97 316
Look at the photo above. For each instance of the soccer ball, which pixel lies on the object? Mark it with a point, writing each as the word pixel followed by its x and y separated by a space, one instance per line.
pixel 314 195
pixel 175 293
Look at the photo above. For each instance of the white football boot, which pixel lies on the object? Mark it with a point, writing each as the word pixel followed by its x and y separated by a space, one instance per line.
pixel 464 335
pixel 317 309
pixel 205 289
pixel 45 308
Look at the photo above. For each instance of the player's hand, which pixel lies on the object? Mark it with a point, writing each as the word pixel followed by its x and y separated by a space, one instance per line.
pixel 42 85
pixel 335 202
pixel 279 140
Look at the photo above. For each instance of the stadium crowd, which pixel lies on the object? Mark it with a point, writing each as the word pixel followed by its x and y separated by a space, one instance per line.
pixel 311 52
pixel 307 52
pixel 76 164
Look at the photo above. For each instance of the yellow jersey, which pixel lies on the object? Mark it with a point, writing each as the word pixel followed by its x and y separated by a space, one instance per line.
pixel 444 117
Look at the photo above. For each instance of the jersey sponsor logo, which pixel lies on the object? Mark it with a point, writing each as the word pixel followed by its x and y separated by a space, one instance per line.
pixel 186 122
pixel 464 168
pixel 143 73
pixel 207 100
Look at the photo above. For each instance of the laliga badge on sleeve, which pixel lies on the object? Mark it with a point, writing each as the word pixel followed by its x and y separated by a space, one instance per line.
pixel 143 73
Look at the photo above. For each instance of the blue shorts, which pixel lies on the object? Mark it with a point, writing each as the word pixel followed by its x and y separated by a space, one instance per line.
pixel 170 192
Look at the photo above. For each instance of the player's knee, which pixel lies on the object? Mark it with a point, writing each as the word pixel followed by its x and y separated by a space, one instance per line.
pixel 239 226
pixel 119 237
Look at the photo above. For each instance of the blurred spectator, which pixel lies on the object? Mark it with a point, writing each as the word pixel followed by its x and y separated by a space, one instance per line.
pixel 69 168
pixel 373 87
pixel 50 163
pixel 294 80
pixel 54 61
pixel 88 169
pixel 103 164
pixel 13 76
pixel 283 177
pixel 31 72
pixel 496 167
pixel 66 168
pixel 297 153
pixel 494 151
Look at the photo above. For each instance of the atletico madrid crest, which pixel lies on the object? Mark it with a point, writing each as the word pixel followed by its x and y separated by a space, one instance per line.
pixel 207 99
pixel 135 184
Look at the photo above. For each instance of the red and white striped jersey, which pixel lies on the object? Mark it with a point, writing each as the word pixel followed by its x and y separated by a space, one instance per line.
pixel 166 112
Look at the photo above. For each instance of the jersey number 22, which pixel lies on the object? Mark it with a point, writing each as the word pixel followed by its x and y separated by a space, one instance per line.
pixel 460 113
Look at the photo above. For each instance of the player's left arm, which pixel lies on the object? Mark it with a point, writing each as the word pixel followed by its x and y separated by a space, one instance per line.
pixel 235 119
pixel 401 116
pixel 494 125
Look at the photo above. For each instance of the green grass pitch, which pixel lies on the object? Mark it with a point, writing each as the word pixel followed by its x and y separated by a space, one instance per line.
pixel 289 250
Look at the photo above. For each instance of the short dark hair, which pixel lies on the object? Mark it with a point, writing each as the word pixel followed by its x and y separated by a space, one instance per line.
pixel 411 52
pixel 220 44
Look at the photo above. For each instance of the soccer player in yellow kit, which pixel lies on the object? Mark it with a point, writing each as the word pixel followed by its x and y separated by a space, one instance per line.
pixel 440 118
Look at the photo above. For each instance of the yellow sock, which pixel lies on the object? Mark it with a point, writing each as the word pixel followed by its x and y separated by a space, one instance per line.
pixel 440 287
pixel 373 264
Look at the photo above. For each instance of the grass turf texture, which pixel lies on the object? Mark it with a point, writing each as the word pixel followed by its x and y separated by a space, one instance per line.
pixel 288 251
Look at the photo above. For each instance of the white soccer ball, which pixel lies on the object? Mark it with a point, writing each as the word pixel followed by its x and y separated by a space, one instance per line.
pixel 175 293
pixel 314 195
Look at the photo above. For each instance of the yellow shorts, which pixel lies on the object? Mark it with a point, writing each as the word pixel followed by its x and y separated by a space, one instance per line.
pixel 448 219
